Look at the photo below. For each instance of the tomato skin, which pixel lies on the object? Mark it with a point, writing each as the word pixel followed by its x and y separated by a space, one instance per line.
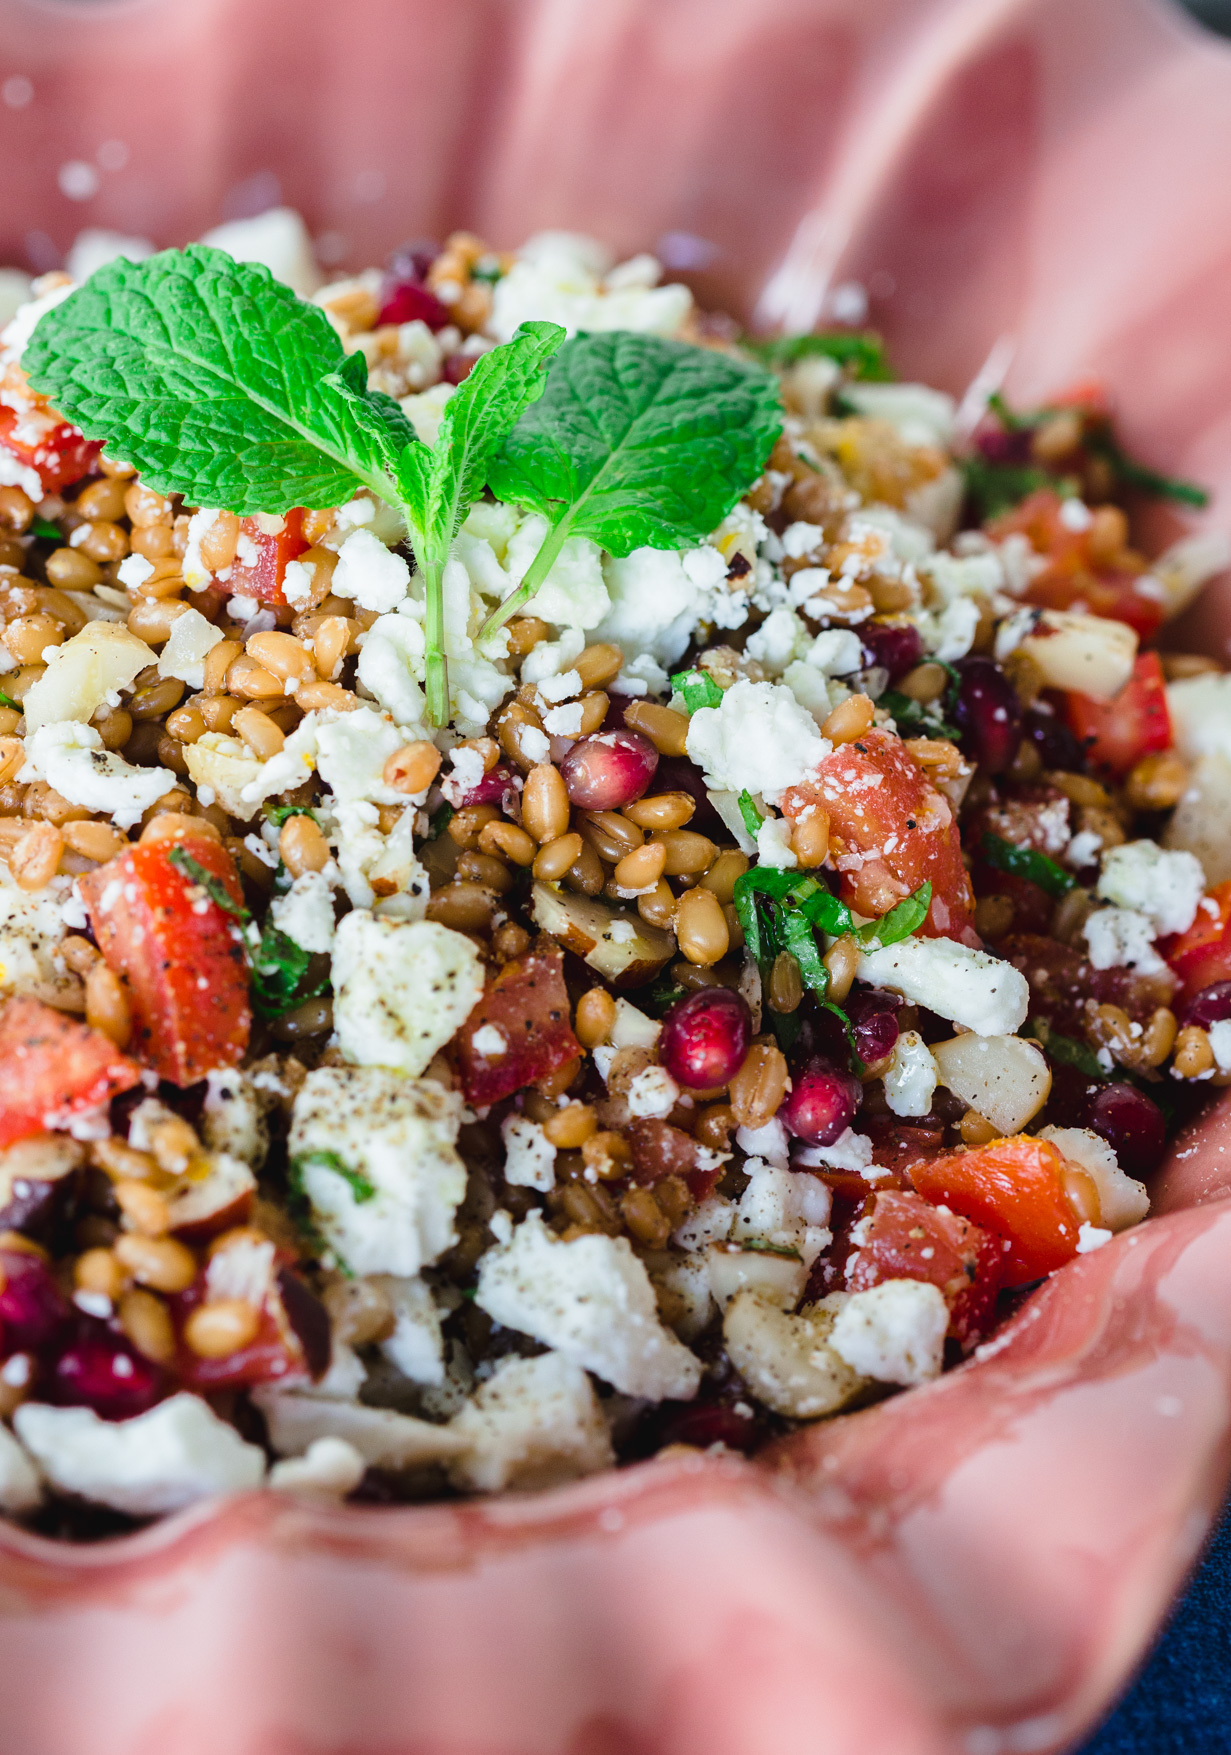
pixel 292 1343
pixel 183 964
pixel 263 578
pixel 39 438
pixel 1202 955
pixel 1072 576
pixel 51 1065
pixel 1117 733
pixel 528 1004
pixel 904 1237
pixel 1014 1188
pixel 890 831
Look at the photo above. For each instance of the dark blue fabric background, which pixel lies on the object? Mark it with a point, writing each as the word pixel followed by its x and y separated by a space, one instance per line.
pixel 1180 1704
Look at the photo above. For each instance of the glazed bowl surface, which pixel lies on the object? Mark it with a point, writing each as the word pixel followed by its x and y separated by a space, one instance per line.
pixel 1027 192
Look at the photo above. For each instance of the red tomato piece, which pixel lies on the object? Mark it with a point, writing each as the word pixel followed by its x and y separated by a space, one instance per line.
pixel 1202 955
pixel 262 578
pixel 1073 576
pixel 889 831
pixel 527 1003
pixel 178 952
pixel 292 1343
pixel 40 439
pixel 52 1067
pixel 1017 1188
pixel 1117 733
pixel 906 1238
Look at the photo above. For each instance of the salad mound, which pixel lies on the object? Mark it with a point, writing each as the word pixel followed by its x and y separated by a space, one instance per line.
pixel 571 881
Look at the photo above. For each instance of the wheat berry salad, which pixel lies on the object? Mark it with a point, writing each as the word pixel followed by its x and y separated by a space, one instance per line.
pixel 572 881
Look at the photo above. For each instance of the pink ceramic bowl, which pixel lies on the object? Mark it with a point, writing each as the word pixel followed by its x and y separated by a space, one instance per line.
pixel 1036 188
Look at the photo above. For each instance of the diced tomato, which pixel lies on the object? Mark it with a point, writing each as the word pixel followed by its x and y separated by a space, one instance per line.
pixel 39 438
pixel 897 1144
pixel 1015 1188
pixel 262 578
pixel 904 1237
pixel 1116 734
pixel 889 831
pixel 1064 985
pixel 1202 955
pixel 1072 575
pixel 52 1067
pixel 178 952
pixel 528 1005
pixel 292 1343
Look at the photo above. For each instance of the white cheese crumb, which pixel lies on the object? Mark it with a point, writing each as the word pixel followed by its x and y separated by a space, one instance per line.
pixel 774 844
pixel 759 739
pixel 1090 1237
pixel 533 1424
pixel 490 1041
pixel 1220 1042
pixel 652 1092
pixel 911 1080
pixel 71 757
pixel 894 1332
pixel 305 912
pixel 370 574
pixel 330 1467
pixel 530 1157
pixel 967 987
pixel 1165 886
pixel 401 989
pixel 1121 938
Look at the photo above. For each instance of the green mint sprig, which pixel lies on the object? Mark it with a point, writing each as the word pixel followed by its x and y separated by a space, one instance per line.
pixel 218 383
pixel 636 442
pixel 861 354
pixel 1027 862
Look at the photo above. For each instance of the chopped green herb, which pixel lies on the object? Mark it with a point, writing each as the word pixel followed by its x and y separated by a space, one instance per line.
pixel 799 937
pixel 277 814
pixel 664 993
pixel 900 922
pixel 915 720
pixel 46 529
pixel 360 1187
pixel 1026 862
pixel 8 701
pixel 439 821
pixel 994 488
pixel 214 888
pixel 752 817
pixel 1148 481
pixel 279 967
pixel 487 270
pixel 698 689
pixel 863 355
pixel 763 1246
pixel 1064 1049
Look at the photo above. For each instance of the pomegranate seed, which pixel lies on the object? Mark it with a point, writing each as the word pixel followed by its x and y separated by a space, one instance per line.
pixel 895 646
pixel 999 446
pixel 705 1037
pixel 1211 1006
pixel 821 1103
pixel 1055 742
pixel 1132 1125
pixel 988 714
pixel 608 769
pixel 873 1015
pixel 492 788
pixel 99 1370
pixel 406 302
pixel 411 261
pixel 458 366
pixel 706 1423
pixel 31 1307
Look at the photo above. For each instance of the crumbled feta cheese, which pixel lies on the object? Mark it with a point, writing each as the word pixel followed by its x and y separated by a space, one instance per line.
pixel 592 1300
pixel 296 1419
pixel 911 1080
pixel 490 1041
pixel 1123 1201
pixel 563 721
pixel 552 657
pixel 652 1093
pixel 968 987
pixel 83 673
pixel 530 1157
pixel 401 989
pixel 370 574
pixel 781 639
pixel 631 1028
pixel 233 1117
pixel 535 1423
pixel 709 1222
pixel 71 758
pixel 159 1461
pixel 277 238
pixel 305 912
pixel 759 739
pixel 850 1151
pixel 659 595
pixel 329 1467
pixel 1091 1237
pixel 1165 886
pixel 21 326
pixel 1121 938
pixel 192 638
pixel 573 595
pixel 836 652
pixel 1220 1041
pixel 396 1135
pixel 949 634
pixel 774 845
pixel 1083 849
pixel 558 278
pixel 32 927
pixel 952 576
pixel 894 1332
pixel 775 1208
pixel 416 1345
pixel 770 1141
pixel 425 411
pixel 196 574
pixel 922 416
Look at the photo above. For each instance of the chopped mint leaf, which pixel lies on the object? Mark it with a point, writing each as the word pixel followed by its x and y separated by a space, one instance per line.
pixel 863 355
pixel 994 488
pixel 360 1187
pixel 915 720
pixel 214 887
pixel 1025 862
pixel 799 937
pixel 279 966
pixel 751 815
pixel 664 993
pixel 487 270
pixel 900 922
pixel 1147 481
pixel 698 689
pixel 1065 1049
pixel 278 814
pixel 8 701
pixel 763 1246
pixel 46 529
pixel 439 821
pixel 636 441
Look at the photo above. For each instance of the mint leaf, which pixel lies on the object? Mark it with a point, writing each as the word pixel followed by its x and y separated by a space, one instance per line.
pixel 638 441
pixel 900 922
pixel 214 888
pixel 752 817
pixel 279 966
pixel 277 814
pixel 46 529
pixel 362 1189
pixel 217 382
pixel 1025 862
pixel 8 701
pixel 698 689
pixel 800 940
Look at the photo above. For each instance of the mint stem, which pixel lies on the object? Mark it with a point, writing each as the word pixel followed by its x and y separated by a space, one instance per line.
pixel 436 670
pixel 535 574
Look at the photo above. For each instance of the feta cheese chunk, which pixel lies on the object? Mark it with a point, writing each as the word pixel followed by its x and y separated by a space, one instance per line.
pixel 277 238
pixel 401 989
pixel 592 1300
pixel 894 1332
pixel 305 912
pixel 370 574
pixel 1121 938
pixel 922 416
pixel 330 1468
pixel 967 987
pixel 160 1461
pixel 376 1156
pixel 658 596
pixel 533 1424
pixel 530 1157
pixel 759 739
pixel 416 1346
pixel 1165 886
pixel 911 1080
pixel 558 277
pixel 71 758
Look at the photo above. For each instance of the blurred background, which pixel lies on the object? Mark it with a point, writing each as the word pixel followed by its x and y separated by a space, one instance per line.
pixel 1215 13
